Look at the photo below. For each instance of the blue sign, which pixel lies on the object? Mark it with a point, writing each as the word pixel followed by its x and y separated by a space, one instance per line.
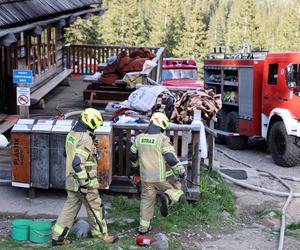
pixel 22 76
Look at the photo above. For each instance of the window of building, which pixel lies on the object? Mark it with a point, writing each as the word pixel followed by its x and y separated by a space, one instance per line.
pixel 21 45
pixel 273 74
pixel 42 51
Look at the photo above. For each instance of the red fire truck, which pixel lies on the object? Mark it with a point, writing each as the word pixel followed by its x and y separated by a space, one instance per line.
pixel 261 98
pixel 180 72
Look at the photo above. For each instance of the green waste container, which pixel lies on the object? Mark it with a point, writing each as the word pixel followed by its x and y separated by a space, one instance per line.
pixel 40 231
pixel 20 229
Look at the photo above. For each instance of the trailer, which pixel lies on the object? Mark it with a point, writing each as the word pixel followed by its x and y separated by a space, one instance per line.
pixel 261 99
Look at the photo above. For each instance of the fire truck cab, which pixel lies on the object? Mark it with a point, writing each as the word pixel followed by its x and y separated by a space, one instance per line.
pixel 180 72
pixel 261 98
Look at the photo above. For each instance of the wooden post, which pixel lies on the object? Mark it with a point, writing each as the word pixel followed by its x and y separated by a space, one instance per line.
pixel 23 112
pixel 196 146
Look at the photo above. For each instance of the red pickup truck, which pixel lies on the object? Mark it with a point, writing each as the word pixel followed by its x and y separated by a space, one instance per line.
pixel 180 72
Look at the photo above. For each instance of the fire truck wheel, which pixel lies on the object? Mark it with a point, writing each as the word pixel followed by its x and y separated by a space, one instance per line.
pixel 283 149
pixel 220 125
pixel 232 125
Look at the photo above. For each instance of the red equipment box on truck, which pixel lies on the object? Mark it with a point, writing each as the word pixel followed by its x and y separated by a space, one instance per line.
pixel 261 98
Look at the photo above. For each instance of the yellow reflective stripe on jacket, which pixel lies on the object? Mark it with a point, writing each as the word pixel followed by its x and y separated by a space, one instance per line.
pixel 90 164
pixel 134 164
pixel 93 182
pixel 71 139
pixel 167 149
pixel 161 161
pixel 82 174
pixel 58 229
pixel 144 223
pixel 82 152
pixel 169 173
pixel 133 149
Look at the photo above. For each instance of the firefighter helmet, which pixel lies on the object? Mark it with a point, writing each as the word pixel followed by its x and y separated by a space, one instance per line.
pixel 92 118
pixel 161 120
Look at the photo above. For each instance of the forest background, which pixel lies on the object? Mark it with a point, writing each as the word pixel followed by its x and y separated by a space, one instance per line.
pixel 192 28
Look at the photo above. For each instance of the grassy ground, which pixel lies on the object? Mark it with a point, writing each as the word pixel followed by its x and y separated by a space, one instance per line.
pixel 215 198
pixel 294 230
pixel 265 211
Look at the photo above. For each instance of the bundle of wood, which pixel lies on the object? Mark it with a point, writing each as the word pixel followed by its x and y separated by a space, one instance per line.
pixel 203 99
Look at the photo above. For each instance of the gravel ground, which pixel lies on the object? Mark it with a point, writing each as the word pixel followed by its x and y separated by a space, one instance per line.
pixel 261 235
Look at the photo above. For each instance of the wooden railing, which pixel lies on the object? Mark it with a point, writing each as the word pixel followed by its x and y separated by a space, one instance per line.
pixel 84 59
pixel 186 141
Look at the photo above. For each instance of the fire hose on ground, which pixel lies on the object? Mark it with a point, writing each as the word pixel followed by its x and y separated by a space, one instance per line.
pixel 289 194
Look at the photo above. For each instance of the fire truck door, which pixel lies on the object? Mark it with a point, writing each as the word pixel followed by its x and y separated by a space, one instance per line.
pixel 269 88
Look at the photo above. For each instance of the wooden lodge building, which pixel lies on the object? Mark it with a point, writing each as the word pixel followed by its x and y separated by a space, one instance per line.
pixel 32 38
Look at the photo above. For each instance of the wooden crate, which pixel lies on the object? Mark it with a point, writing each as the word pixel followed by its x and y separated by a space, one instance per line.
pixel 186 141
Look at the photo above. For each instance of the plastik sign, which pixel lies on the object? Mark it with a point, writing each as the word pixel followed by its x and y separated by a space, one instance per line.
pixel 22 76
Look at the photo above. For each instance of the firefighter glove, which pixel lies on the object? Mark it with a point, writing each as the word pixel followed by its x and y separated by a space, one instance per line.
pixel 83 190
pixel 179 171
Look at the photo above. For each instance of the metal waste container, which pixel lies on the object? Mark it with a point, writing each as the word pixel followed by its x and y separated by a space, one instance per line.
pixel 57 153
pixel 40 144
pixel 20 140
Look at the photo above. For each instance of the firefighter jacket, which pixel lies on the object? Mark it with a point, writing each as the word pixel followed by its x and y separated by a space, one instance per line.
pixel 152 151
pixel 81 162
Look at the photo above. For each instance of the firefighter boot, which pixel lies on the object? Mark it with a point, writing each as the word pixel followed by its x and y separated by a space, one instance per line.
pixel 61 242
pixel 164 205
pixel 143 230
pixel 110 238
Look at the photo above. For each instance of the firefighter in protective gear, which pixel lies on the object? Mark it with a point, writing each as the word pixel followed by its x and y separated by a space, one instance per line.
pixel 81 180
pixel 153 152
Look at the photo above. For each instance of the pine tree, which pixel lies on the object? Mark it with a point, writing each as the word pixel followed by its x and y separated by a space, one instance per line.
pixel 114 22
pixel 175 28
pixel 269 22
pixel 167 24
pixel 124 23
pixel 194 42
pixel 85 31
pixel 135 32
pixel 288 36
pixel 242 25
pixel 159 21
pixel 218 24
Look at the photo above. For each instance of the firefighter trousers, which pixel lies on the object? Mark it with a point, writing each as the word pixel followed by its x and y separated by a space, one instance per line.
pixel 148 198
pixel 70 210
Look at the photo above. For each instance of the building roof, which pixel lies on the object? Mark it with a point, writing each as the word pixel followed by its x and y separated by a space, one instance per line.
pixel 20 12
